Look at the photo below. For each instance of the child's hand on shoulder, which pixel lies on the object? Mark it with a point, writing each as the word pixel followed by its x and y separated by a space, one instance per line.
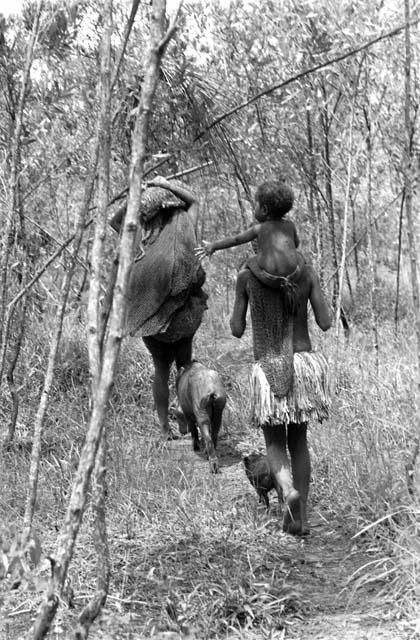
pixel 204 250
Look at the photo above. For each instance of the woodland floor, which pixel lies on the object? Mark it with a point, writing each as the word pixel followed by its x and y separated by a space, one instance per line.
pixel 319 600
pixel 200 559
pixel 319 569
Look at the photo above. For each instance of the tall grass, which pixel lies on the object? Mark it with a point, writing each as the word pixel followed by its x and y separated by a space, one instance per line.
pixel 360 457
pixel 193 552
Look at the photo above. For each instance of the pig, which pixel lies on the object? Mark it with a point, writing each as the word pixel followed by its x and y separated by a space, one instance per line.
pixel 202 398
pixel 258 473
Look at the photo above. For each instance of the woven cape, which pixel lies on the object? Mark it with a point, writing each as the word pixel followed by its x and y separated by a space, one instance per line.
pixel 166 278
pixel 272 327
pixel 308 398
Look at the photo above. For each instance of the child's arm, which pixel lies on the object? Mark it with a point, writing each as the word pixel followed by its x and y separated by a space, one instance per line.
pixel 177 188
pixel 208 248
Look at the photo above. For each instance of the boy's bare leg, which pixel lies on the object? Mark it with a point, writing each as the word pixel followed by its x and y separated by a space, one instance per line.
pixel 276 446
pixel 301 469
pixel 238 319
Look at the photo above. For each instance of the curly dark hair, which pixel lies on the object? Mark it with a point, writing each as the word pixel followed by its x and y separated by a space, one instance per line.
pixel 277 197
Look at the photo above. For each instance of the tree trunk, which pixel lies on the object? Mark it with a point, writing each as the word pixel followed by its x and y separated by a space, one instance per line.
pixel 96 331
pixel 14 356
pixel 95 328
pixel 330 201
pixel 103 569
pixel 356 253
pixel 408 184
pixel 49 375
pixel 397 293
pixel 371 243
pixel 338 309
pixel 314 207
pixel 112 342
pixel 13 183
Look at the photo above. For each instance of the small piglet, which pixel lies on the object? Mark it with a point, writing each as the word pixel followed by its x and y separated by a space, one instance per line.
pixel 202 398
pixel 258 473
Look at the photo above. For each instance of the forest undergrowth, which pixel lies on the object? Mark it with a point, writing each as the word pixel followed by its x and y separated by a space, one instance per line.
pixel 192 554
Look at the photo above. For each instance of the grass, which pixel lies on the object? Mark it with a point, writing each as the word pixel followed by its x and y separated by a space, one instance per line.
pixel 193 553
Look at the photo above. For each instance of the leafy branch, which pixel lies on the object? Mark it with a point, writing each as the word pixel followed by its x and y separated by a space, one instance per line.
pixel 302 74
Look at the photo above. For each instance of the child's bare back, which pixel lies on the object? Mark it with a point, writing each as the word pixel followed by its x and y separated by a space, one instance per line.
pixel 277 247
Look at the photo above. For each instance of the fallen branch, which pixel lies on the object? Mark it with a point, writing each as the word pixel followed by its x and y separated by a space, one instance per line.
pixel 302 74
pixel 128 28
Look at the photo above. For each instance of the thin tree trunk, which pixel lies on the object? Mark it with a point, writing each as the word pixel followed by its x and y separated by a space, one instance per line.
pixel 408 186
pixel 14 175
pixel 356 254
pixel 349 285
pixel 240 203
pixel 346 211
pixel 397 293
pixel 14 356
pixel 371 243
pixel 330 201
pixel 103 568
pixel 314 200
pixel 226 275
pixel 364 233
pixel 20 247
pixel 49 375
pixel 112 343
pixel 96 332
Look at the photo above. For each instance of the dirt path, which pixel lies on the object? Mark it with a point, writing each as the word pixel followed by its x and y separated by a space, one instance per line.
pixel 316 573
pixel 322 570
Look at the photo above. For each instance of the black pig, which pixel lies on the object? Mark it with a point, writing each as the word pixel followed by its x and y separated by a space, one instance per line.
pixel 258 473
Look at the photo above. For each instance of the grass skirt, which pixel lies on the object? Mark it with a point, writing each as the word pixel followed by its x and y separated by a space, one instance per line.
pixel 307 399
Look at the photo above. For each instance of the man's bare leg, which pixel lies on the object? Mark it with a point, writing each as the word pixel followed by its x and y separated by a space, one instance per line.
pixel 276 446
pixel 160 390
pixel 183 355
pixel 163 356
pixel 301 469
pixel 238 319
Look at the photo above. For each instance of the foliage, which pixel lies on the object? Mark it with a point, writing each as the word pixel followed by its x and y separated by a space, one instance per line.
pixel 222 55
pixel 18 557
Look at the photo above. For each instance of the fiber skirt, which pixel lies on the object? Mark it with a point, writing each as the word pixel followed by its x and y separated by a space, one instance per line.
pixel 308 398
